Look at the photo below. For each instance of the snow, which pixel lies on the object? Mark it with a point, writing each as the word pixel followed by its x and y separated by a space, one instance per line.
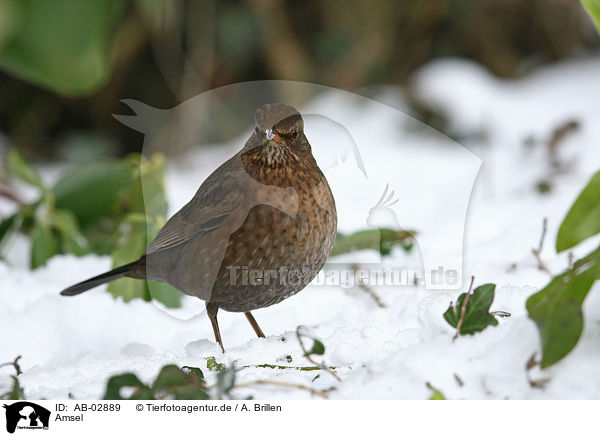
pixel 72 346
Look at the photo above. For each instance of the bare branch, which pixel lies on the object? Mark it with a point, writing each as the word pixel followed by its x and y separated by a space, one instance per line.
pixel 311 360
pixel 538 251
pixel 368 290
pixel 285 384
pixel 463 309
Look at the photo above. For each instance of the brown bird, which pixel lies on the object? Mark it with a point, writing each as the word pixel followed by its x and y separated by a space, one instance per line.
pixel 257 231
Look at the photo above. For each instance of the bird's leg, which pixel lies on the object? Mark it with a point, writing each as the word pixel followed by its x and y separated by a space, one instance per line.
pixel 254 325
pixel 212 309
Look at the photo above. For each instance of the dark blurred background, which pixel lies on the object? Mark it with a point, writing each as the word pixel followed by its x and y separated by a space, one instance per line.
pixel 65 64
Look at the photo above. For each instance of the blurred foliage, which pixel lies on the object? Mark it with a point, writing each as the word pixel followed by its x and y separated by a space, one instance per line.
pixel 556 309
pixel 172 382
pixel 88 55
pixel 593 8
pixel 437 395
pixel 63 45
pixel 382 240
pixel 16 392
pixel 110 207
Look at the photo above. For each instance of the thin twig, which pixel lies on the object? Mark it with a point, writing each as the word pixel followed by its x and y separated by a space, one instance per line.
pixel 463 309
pixel 557 137
pixel 459 381
pixel 6 192
pixel 537 252
pixel 362 285
pixel 298 368
pixel 311 360
pixel 531 363
pixel 286 384
pixel 14 364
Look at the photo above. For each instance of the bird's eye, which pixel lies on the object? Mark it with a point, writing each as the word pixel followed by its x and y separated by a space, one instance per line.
pixel 294 134
pixel 256 130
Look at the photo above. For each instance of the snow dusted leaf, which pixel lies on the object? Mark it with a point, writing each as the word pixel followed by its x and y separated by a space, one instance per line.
pixel 583 219
pixel 213 365
pixel 179 384
pixel 169 376
pixel 556 309
pixel 171 382
pixel 477 312
pixel 115 385
pixel 193 369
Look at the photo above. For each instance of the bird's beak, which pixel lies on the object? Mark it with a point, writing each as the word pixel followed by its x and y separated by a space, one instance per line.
pixel 272 136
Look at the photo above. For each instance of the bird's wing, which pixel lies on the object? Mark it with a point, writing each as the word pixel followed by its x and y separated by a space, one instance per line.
pixel 217 198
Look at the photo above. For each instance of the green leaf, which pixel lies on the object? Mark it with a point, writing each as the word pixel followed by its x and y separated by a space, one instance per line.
pixel 72 239
pixel 7 226
pixel 165 293
pixel 44 244
pixel 583 219
pixel 169 376
pixel 117 382
pixel 556 309
pixel 213 365
pixel 180 384
pixel 437 395
pixel 171 382
pixel 20 168
pixel 62 45
pixel 146 202
pixel 593 8
pixel 317 348
pixel 91 191
pixel 16 393
pixel 382 240
pixel 152 174
pixel 194 370
pixel 190 393
pixel 477 314
pixel 128 250
pixel 132 245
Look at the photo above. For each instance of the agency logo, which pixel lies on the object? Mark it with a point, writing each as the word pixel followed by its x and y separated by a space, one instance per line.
pixel 26 415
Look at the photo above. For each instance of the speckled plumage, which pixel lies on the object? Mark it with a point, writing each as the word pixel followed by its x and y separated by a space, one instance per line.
pixel 268 209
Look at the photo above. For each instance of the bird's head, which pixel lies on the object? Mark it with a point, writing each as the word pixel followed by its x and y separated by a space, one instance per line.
pixel 279 134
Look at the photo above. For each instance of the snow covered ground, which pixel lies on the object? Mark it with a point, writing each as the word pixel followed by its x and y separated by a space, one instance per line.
pixel 72 346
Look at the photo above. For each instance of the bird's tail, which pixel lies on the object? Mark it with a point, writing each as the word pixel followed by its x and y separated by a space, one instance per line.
pixel 88 284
